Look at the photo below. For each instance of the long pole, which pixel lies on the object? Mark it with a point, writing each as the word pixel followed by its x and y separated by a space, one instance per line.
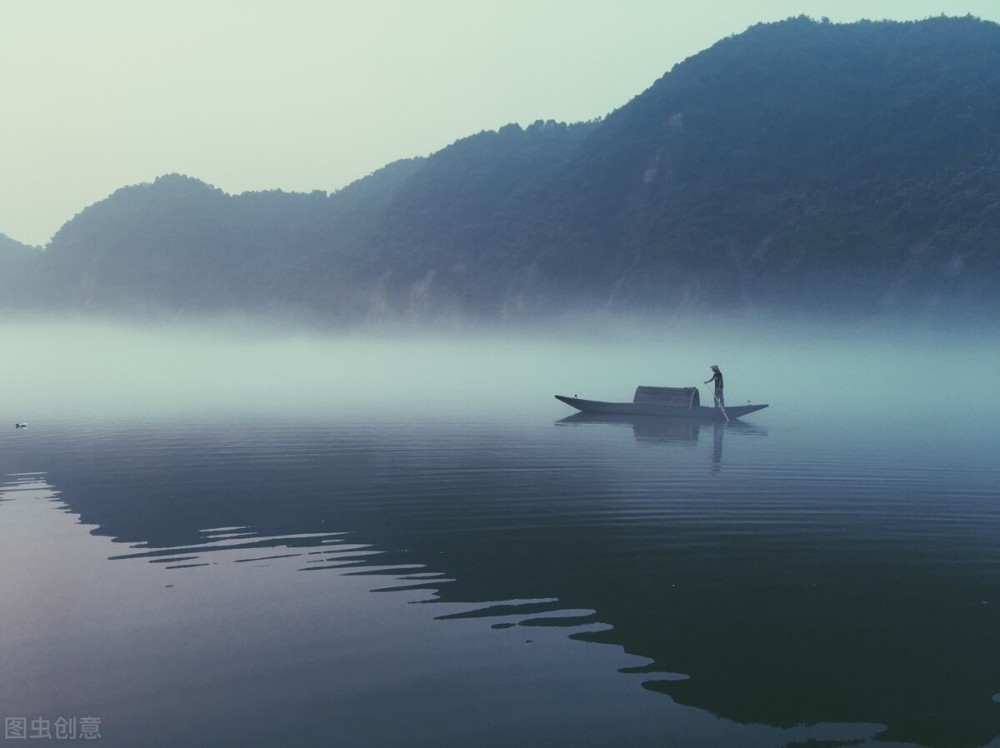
pixel 719 403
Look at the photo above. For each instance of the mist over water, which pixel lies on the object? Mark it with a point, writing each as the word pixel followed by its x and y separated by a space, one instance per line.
pixel 69 369
pixel 825 570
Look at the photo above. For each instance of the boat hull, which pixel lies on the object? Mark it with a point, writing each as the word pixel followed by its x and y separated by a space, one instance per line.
pixel 698 412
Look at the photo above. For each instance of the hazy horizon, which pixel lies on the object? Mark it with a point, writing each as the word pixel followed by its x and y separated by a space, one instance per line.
pixel 306 95
pixel 100 370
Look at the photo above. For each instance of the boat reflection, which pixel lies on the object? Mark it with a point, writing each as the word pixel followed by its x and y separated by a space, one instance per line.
pixel 654 430
pixel 671 430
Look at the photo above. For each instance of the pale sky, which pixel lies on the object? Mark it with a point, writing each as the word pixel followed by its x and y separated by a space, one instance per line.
pixel 305 95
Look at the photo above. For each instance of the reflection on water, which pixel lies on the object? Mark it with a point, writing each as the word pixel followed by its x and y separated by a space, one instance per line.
pixel 643 427
pixel 668 430
pixel 800 584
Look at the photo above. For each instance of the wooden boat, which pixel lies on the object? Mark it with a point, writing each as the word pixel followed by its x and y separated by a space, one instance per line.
pixel 670 402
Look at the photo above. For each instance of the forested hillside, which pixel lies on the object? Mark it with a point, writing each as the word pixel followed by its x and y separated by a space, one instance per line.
pixel 802 162
pixel 800 167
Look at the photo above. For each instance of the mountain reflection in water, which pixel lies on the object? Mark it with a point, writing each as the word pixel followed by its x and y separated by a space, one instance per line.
pixel 769 577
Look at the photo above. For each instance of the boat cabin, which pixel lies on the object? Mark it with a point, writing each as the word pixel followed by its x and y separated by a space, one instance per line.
pixel 686 397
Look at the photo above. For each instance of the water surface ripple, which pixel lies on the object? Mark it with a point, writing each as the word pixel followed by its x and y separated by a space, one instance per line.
pixel 540 581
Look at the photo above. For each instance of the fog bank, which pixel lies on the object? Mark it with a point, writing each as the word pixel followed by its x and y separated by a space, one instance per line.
pixel 58 369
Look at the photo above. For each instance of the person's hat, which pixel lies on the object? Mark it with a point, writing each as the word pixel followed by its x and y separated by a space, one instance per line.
pixel 715 366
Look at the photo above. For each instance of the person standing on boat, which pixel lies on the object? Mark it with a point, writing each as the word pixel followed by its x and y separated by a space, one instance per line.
pixel 720 399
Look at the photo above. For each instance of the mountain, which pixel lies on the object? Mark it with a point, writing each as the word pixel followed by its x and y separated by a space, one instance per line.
pixel 18 271
pixel 807 162
pixel 180 245
pixel 800 166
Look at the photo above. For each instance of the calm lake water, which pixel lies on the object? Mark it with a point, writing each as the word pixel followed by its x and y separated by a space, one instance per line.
pixel 374 576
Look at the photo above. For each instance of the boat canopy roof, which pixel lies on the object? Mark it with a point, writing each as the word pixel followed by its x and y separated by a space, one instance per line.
pixel 684 396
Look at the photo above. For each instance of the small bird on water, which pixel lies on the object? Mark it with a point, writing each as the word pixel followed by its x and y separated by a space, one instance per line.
pixel 20 425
